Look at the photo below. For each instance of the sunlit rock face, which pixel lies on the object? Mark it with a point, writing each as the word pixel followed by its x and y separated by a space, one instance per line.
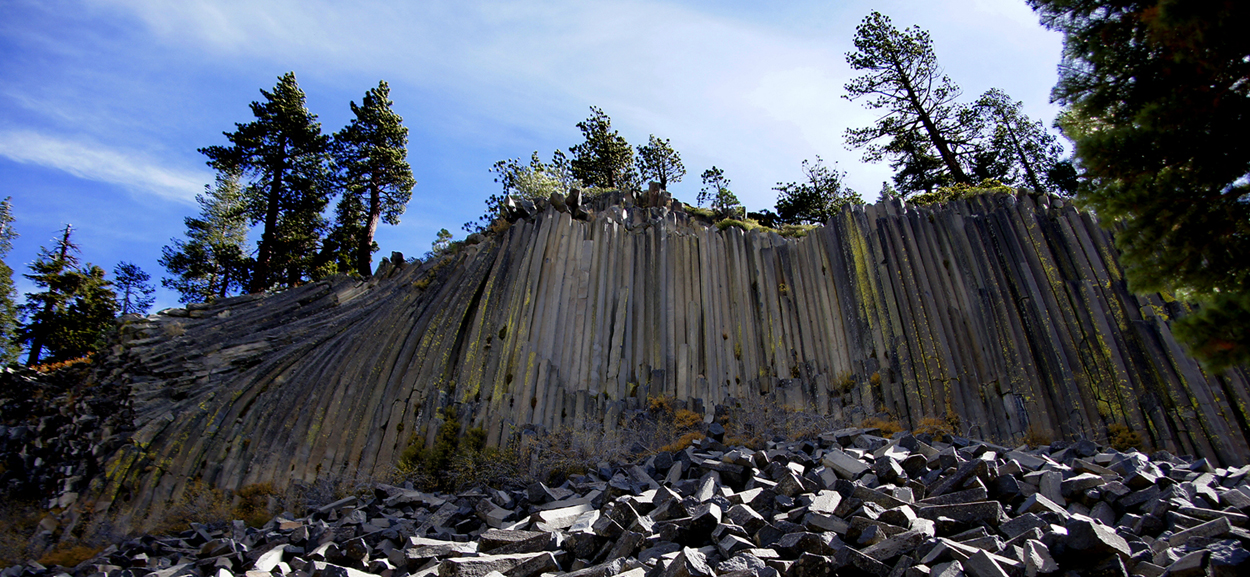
pixel 1010 313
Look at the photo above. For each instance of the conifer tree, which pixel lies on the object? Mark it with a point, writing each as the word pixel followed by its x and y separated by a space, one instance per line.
pixel 70 315
pixel 1017 150
pixel 716 190
pixel 134 292
pixel 339 250
pixel 372 154
pixel 659 162
pixel 283 155
pixel 211 262
pixel 8 302
pixel 816 200
pixel 441 243
pixel 1158 107
pixel 927 134
pixel 605 159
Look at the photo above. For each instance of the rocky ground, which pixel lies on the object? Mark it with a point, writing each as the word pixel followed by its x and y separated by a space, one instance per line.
pixel 849 503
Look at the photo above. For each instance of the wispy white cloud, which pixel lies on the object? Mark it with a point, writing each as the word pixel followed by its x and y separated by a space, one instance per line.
pixel 751 95
pixel 91 161
pixel 750 92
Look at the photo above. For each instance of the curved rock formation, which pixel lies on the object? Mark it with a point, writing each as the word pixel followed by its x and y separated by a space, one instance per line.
pixel 1010 313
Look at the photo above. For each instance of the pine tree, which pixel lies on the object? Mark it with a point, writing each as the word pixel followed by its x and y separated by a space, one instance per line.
pixel 927 132
pixel 134 292
pixel 440 244
pixel 659 162
pixel 716 190
pixel 211 263
pixel 605 159
pixel 8 302
pixel 284 155
pixel 1158 109
pixel 818 199
pixel 340 249
pixel 71 315
pixel 1017 150
pixel 372 154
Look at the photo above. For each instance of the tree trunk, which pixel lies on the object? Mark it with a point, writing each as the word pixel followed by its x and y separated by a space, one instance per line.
pixel 364 251
pixel 36 344
pixel 260 279
pixel 1024 160
pixel 935 136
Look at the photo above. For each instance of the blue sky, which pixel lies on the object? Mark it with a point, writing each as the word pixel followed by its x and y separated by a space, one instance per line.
pixel 103 103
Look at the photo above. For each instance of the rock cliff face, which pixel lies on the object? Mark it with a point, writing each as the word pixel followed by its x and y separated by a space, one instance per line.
pixel 1010 313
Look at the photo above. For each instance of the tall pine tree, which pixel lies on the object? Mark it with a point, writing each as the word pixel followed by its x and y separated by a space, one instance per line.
pixel 70 316
pixel 211 263
pixel 1016 150
pixel 134 292
pixel 605 159
pixel 284 156
pixel 659 162
pixel 377 182
pixel 927 134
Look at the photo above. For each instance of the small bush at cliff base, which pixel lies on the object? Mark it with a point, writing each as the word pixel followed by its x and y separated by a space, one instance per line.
pixel 668 424
pixel 253 505
pixel 451 462
pixel 756 419
pixel 302 498
pixel 1035 437
pixel 687 419
pixel 199 503
pixel 1122 438
pixel 576 449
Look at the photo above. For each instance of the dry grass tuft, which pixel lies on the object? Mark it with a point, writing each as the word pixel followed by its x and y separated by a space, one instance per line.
pixel 682 442
pixel 1036 437
pixel 68 555
pixel 888 425
pixel 938 426
pixel 686 419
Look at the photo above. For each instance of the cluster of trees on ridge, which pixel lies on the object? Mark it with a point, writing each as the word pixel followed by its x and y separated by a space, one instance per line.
pixel 1156 95
pixel 75 305
pixel 281 172
pixel 933 142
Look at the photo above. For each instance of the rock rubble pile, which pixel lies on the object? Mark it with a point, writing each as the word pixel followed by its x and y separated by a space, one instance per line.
pixel 851 502
pixel 57 430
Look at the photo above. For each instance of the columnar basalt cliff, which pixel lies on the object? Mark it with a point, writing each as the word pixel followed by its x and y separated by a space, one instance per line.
pixel 1009 312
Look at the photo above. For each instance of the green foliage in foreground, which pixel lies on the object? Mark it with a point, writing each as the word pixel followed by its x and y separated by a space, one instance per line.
pixel 1158 106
